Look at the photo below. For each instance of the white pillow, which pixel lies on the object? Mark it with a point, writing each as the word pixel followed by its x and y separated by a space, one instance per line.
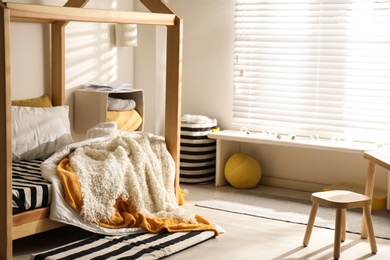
pixel 38 132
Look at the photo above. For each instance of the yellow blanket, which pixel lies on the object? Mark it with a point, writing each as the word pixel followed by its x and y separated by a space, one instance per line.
pixel 126 120
pixel 126 216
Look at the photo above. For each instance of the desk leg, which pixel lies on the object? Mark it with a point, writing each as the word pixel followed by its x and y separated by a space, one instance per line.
pixel 225 149
pixel 370 181
pixel 388 191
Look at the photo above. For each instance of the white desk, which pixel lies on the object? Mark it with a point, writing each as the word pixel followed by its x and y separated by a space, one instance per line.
pixel 374 158
pixel 228 143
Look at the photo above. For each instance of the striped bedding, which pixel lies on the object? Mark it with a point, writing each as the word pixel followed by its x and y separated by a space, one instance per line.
pixel 134 246
pixel 29 189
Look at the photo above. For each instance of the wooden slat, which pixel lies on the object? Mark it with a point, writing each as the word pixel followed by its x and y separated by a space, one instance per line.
pixel 32 20
pixel 70 3
pixel 5 136
pixel 35 227
pixel 158 6
pixel 76 3
pixel 32 222
pixel 59 13
pixel 30 215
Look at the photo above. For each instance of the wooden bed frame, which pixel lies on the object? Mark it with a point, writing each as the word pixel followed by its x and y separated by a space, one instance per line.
pixel 25 224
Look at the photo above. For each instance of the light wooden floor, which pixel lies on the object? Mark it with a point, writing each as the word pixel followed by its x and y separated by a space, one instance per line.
pixel 245 237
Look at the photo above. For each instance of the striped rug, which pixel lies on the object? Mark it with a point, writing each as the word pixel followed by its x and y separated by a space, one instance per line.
pixel 134 246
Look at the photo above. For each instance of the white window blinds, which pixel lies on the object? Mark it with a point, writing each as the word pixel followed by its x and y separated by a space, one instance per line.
pixel 310 67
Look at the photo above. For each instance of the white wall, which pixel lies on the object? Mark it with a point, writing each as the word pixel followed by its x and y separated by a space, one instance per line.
pixel 207 57
pixel 29 74
pixel 150 72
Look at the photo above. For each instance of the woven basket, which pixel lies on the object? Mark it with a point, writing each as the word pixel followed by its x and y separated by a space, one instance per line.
pixel 197 152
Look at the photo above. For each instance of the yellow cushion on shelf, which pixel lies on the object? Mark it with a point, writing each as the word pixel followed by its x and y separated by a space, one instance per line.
pixel 379 200
pixel 126 120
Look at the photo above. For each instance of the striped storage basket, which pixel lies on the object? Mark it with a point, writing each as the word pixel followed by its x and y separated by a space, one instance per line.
pixel 197 152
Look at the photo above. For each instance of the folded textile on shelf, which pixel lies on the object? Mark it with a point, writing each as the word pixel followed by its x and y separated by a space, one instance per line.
pixel 117 104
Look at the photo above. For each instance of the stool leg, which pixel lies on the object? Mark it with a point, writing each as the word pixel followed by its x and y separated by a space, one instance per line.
pixel 310 223
pixel 370 228
pixel 343 224
pixel 337 234
pixel 363 234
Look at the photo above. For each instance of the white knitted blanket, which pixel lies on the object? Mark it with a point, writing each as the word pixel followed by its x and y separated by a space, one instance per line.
pixel 134 166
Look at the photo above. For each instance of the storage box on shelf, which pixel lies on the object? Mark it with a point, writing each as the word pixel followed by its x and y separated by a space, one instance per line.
pixel 91 107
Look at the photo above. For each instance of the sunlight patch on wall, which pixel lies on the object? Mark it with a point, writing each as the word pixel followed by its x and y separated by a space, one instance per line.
pixel 90 56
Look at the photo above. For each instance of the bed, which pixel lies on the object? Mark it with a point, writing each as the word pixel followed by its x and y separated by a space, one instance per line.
pixel 30 188
pixel 35 221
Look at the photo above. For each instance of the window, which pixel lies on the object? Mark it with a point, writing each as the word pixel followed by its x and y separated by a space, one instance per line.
pixel 313 68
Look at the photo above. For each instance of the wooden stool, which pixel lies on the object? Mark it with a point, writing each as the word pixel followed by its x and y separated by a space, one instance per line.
pixel 341 200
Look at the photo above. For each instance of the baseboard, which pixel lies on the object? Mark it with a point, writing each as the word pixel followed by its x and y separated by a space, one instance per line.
pixel 291 184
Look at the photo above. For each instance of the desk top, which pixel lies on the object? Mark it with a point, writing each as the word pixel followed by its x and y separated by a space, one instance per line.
pixel 285 140
pixel 381 159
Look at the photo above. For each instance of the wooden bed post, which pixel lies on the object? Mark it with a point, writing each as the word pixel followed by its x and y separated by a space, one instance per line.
pixel 58 64
pixel 173 95
pixel 5 135
pixel 173 83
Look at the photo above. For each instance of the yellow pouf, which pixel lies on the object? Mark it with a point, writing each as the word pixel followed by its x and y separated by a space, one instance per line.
pixel 242 171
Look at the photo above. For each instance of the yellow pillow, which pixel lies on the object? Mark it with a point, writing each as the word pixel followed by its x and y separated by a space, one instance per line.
pixel 43 101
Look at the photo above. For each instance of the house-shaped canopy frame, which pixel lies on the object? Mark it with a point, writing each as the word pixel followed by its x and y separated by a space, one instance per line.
pixel 58 17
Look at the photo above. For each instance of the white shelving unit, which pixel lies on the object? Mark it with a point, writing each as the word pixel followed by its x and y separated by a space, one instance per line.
pixel 91 107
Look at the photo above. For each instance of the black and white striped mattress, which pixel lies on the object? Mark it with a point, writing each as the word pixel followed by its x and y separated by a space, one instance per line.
pixel 29 189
